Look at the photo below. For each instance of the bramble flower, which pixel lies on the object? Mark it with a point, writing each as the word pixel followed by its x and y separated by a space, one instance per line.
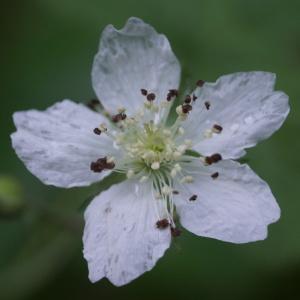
pixel 182 170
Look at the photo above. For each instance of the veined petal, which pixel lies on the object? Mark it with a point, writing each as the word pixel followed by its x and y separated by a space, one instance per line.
pixel 121 240
pixel 57 145
pixel 130 59
pixel 236 207
pixel 245 105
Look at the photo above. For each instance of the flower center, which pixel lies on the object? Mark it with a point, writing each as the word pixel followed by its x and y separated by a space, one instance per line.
pixel 149 150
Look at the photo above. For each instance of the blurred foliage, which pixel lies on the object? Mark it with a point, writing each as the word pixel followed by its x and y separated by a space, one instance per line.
pixel 46 51
pixel 11 201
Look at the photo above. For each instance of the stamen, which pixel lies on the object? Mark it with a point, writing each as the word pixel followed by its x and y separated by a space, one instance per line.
pixel 215 175
pixel 103 127
pixel 193 198
pixel 102 164
pixel 166 190
pixel 151 97
pixel 97 131
pixel 175 232
pixel 155 165
pixel 188 99
pixel 208 133
pixel 162 224
pixel 186 108
pixel 144 92
pixel 181 130
pixel 207 105
pixel 217 128
pixel 172 93
pixel 130 173
pixel 187 179
pixel 94 104
pixel 200 82
pixel 118 117
pixel 213 158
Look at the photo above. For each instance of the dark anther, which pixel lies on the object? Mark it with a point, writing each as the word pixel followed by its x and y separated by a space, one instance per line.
pixel 175 192
pixel 97 131
pixel 171 94
pixel 175 232
pixel 217 128
pixel 213 158
pixel 215 175
pixel 186 108
pixel 93 104
pixel 193 198
pixel 119 117
pixel 194 97
pixel 162 224
pixel 102 164
pixel 144 92
pixel 200 82
pixel 207 105
pixel 151 97
pixel 188 99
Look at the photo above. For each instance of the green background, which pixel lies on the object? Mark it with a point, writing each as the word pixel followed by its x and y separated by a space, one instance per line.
pixel 47 48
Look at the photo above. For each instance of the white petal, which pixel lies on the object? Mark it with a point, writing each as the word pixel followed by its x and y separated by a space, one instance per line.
pixel 130 59
pixel 57 145
pixel 235 207
pixel 245 105
pixel 121 240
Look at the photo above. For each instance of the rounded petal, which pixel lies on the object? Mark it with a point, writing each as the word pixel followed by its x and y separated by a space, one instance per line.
pixel 121 240
pixel 245 105
pixel 236 207
pixel 57 145
pixel 133 58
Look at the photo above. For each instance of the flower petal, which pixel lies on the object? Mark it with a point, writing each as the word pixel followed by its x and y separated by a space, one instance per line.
pixel 236 207
pixel 245 105
pixel 133 58
pixel 57 145
pixel 121 240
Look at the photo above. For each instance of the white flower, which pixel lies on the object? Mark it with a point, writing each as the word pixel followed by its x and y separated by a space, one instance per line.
pixel 129 226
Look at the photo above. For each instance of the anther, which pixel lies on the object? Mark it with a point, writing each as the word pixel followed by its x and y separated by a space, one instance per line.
pixel 215 175
pixel 162 224
pixel 200 82
pixel 194 97
pixel 171 94
pixel 175 232
pixel 129 173
pixel 193 198
pixel 144 92
pixel 102 164
pixel 217 128
pixel 213 158
pixel 151 97
pixel 166 190
pixel 186 108
pixel 94 104
pixel 188 99
pixel 155 165
pixel 97 131
pixel 175 192
pixel 118 117
pixel 207 105
pixel 187 179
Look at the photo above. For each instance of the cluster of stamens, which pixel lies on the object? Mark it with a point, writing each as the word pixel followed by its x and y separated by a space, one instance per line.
pixel 151 151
